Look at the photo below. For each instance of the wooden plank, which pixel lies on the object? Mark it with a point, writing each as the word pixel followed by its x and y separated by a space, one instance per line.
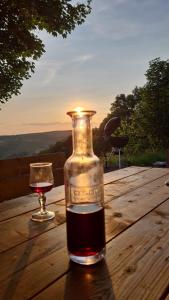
pixel 123 173
pixel 23 228
pixel 19 257
pixel 137 261
pixel 137 266
pixel 132 182
pixel 19 166
pixel 40 259
pixel 143 272
pixel 21 205
pixel 14 176
pixel 125 185
pixel 19 185
pixel 167 157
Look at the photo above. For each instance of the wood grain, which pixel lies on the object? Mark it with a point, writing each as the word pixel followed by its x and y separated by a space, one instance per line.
pixel 19 206
pixel 130 183
pixel 115 223
pixel 9 209
pixel 17 258
pixel 24 229
pixel 123 173
pixel 137 265
pixel 17 230
pixel 19 166
pixel 14 176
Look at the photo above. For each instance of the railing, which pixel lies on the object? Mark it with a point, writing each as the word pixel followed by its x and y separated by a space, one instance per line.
pixel 14 173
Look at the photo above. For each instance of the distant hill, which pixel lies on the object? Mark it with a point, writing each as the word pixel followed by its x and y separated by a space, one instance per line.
pixel 12 146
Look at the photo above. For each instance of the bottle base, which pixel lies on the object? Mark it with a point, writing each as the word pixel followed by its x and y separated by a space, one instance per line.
pixel 88 260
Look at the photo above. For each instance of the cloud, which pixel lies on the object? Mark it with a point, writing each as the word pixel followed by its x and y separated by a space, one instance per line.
pixel 122 19
pixel 48 70
pixel 83 58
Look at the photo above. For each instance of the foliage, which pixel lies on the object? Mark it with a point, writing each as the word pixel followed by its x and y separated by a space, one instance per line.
pixel 61 146
pixel 146 158
pixel 123 106
pixel 155 103
pixel 20 45
pixel 149 127
pixel 145 113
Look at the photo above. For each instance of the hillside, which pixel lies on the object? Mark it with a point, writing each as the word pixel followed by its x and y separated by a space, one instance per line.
pixel 29 144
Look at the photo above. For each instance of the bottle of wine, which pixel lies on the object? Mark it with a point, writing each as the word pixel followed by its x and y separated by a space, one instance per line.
pixel 83 173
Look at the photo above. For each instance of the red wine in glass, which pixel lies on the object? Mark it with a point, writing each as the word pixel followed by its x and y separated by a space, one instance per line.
pixel 41 181
pixel 41 187
pixel 85 229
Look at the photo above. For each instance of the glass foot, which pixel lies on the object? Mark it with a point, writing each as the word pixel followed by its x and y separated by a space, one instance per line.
pixel 42 217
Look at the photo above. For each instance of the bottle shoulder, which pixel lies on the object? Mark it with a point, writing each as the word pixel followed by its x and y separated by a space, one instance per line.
pixel 75 159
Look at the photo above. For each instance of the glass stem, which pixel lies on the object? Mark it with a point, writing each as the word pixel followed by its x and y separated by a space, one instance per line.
pixel 42 201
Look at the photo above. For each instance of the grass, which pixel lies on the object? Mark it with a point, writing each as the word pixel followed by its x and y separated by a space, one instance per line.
pixel 147 158
pixel 140 159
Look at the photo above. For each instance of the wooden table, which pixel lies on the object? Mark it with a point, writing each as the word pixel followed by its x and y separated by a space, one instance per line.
pixel 34 262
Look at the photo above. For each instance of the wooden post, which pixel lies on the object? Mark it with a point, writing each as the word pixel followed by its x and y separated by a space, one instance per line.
pixel 167 157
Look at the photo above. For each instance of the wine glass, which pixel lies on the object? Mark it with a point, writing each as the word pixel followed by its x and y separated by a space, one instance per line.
pixel 41 181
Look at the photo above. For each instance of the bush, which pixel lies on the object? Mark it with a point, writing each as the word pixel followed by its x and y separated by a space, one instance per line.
pixel 147 158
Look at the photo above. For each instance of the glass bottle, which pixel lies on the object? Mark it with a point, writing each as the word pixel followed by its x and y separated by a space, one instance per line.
pixel 83 173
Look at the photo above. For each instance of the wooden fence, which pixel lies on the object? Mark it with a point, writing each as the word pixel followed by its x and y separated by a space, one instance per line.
pixel 14 174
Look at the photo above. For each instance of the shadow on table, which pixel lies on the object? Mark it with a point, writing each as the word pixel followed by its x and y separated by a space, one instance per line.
pixel 16 276
pixel 88 282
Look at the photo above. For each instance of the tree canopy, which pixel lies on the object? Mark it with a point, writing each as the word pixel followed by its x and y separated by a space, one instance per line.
pixel 150 120
pixel 145 112
pixel 19 42
pixel 123 107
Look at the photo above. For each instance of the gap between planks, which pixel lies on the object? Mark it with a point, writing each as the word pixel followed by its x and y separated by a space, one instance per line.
pixel 47 261
pixel 6 214
pixel 137 266
pixel 19 206
pixel 21 228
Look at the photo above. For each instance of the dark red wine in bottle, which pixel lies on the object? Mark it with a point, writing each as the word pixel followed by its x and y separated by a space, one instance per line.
pixel 41 187
pixel 85 229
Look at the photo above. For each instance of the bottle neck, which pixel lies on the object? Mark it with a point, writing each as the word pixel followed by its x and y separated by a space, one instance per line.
pixel 82 135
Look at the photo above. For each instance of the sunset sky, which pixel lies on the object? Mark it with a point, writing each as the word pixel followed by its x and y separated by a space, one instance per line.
pixel 105 56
